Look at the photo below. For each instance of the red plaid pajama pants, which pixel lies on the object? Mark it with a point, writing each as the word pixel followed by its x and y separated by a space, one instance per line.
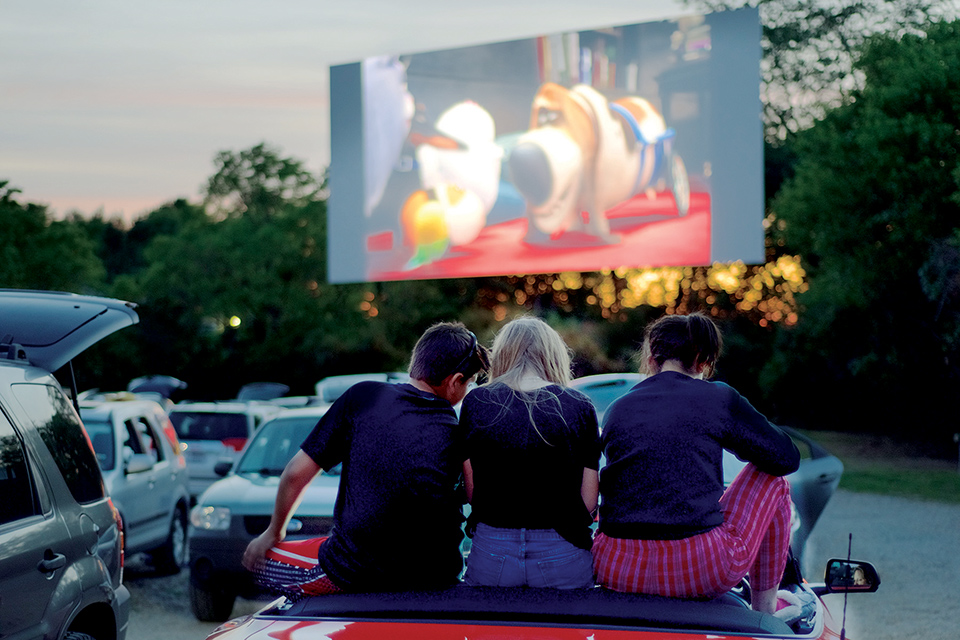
pixel 291 569
pixel 754 539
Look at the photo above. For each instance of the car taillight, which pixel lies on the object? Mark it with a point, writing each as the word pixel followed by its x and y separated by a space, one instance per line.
pixel 119 521
pixel 171 434
pixel 234 443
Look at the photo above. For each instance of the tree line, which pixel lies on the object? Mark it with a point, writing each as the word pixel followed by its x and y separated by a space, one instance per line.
pixel 852 323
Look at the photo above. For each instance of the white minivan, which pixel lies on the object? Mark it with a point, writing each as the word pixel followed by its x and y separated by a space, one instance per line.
pixel 146 476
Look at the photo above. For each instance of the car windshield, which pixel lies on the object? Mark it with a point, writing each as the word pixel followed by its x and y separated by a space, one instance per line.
pixel 198 425
pixel 275 444
pixel 101 437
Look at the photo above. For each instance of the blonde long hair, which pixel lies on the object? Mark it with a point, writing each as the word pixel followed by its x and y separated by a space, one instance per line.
pixel 527 347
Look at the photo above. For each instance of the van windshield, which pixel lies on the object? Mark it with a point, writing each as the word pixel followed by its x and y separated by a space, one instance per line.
pixel 198 425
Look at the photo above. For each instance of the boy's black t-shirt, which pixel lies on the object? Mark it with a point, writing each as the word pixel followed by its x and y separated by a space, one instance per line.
pixel 398 515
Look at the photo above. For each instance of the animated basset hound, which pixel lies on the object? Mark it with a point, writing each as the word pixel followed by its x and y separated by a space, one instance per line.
pixel 583 154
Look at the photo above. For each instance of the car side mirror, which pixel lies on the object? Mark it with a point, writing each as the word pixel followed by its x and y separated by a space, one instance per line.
pixel 138 463
pixel 848 576
pixel 222 468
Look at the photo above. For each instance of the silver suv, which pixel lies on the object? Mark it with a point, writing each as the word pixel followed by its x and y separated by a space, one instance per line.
pixel 61 545
pixel 145 474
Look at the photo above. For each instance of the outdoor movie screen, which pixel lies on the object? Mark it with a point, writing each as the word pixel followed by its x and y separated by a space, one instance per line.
pixel 628 146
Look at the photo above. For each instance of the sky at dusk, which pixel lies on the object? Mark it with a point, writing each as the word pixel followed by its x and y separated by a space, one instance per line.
pixel 120 106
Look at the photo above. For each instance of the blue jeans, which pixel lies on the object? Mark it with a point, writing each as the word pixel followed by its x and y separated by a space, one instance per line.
pixel 526 557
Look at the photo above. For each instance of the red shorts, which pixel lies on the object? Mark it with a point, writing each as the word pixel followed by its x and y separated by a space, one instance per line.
pixel 292 569
pixel 754 539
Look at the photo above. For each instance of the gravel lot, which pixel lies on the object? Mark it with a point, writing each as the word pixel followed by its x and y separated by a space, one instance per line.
pixel 913 545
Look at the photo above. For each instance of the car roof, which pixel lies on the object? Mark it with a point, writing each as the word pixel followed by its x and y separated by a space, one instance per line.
pixel 310 412
pixel 124 408
pixel 235 406
pixel 332 387
pixel 262 391
pixel 601 378
pixel 53 327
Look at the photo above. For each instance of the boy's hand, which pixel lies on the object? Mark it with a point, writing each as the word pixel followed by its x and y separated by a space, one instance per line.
pixel 256 551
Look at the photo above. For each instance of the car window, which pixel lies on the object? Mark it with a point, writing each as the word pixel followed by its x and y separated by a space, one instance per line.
pixel 19 498
pixel 274 445
pixel 148 436
pixel 603 394
pixel 132 437
pixel 101 436
pixel 60 429
pixel 191 425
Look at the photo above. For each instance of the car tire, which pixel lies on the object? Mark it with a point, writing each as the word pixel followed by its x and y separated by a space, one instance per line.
pixel 211 605
pixel 169 558
pixel 76 635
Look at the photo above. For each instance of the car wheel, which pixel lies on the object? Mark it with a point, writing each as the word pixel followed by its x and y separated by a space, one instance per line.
pixel 214 605
pixel 76 635
pixel 173 554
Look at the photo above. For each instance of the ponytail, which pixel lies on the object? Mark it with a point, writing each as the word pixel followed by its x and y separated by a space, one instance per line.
pixel 692 340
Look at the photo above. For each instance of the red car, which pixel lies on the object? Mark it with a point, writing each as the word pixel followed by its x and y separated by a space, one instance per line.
pixel 497 613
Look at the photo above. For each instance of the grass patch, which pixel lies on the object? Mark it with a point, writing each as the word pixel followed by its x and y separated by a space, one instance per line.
pixel 926 484
pixel 879 464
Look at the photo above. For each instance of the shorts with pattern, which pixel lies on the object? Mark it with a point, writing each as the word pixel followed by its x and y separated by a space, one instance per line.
pixel 291 569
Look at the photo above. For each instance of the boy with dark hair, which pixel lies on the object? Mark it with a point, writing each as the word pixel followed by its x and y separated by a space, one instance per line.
pixel 401 456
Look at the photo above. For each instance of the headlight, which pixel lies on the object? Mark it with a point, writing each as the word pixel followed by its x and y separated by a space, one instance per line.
pixel 210 518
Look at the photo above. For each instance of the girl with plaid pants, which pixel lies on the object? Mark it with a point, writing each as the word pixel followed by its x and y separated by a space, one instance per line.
pixel 667 526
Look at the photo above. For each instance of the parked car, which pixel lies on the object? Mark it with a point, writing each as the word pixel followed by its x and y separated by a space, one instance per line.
pixel 61 543
pixel 237 508
pixel 811 486
pixel 214 432
pixel 262 391
pixel 146 476
pixel 552 614
pixel 332 387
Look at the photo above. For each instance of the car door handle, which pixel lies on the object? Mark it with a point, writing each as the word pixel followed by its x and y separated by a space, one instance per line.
pixel 51 562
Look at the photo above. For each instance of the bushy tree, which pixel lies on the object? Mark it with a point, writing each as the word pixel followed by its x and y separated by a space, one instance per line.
pixel 810 48
pixel 874 209
pixel 259 182
pixel 37 252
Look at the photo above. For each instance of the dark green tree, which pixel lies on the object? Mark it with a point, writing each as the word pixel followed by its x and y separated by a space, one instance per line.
pixel 37 252
pixel 874 209
pixel 238 300
pixel 259 182
pixel 810 48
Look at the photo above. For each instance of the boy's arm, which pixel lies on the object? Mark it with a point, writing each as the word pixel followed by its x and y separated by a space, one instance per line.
pixel 295 477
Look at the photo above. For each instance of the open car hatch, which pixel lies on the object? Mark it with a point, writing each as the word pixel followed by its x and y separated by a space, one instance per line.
pixel 49 329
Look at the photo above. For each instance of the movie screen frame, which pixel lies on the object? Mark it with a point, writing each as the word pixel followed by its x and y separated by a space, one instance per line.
pixel 630 146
